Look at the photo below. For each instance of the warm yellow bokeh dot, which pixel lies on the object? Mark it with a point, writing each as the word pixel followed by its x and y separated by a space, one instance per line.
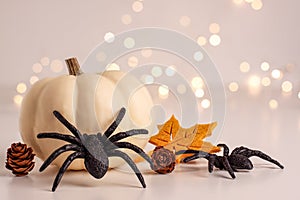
pixel 286 86
pixel 265 66
pixel 249 1
pixel 126 19
pixel 133 61
pixel 45 61
pixel 18 99
pixel 257 4
pixel 185 21
pixel 214 28
pixel 163 91
pixel 137 6
pixel 244 67
pixel 56 66
pixel 201 40
pixel 233 86
pixel 205 103
pixel 37 68
pixel 112 67
pixel 298 95
pixel 266 81
pixel 33 79
pixel 197 82
pixel 21 88
pixel 273 104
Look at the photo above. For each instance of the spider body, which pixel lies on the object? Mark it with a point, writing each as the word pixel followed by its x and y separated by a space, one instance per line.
pixel 237 160
pixel 94 149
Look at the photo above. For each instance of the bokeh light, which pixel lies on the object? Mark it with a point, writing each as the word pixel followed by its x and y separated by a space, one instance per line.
pixel 112 67
pixel 197 82
pixel 129 43
pixel 137 6
pixel 170 71
pixel 265 66
pixel 266 81
pixel 133 61
pixel 156 71
pixel 205 103
pixel 198 56
pixel 244 67
pixel 163 91
pixel 286 86
pixel 33 79
pixel 199 93
pixel 276 74
pixel 37 68
pixel 56 66
pixel 214 28
pixel 184 21
pixel 21 88
pixel 18 99
pixel 201 40
pixel 214 40
pixel 257 4
pixel 45 61
pixel 109 37
pixel 126 19
pixel 299 95
pixel 233 86
pixel 273 104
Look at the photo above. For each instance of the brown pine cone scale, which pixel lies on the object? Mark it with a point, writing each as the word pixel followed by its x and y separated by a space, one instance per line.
pixel 20 159
pixel 163 160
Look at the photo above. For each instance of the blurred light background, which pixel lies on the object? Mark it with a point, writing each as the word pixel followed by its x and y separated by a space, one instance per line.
pixel 254 43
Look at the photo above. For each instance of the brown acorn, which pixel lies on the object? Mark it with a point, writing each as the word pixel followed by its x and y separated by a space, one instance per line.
pixel 20 159
pixel 163 160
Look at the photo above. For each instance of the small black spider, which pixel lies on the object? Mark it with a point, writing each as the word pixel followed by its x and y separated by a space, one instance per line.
pixel 238 159
pixel 94 149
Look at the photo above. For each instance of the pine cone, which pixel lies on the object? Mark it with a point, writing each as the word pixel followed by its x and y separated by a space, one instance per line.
pixel 20 159
pixel 163 160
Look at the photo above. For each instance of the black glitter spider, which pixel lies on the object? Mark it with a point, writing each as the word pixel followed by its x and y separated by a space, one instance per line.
pixel 238 159
pixel 94 149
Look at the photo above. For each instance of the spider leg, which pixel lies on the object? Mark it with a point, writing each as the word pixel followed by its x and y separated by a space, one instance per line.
pixel 116 153
pixel 122 135
pixel 211 162
pixel 225 149
pixel 67 124
pixel 197 154
pixel 59 136
pixel 115 124
pixel 64 167
pixel 227 166
pixel 249 153
pixel 134 148
pixel 190 158
pixel 57 152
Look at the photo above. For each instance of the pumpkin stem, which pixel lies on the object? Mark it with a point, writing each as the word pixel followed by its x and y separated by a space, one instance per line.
pixel 73 66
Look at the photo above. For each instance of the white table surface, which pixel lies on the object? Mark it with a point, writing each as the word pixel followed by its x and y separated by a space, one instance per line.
pixel 249 122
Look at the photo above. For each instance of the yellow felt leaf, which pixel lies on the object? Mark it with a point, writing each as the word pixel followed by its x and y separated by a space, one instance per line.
pixel 176 138
pixel 166 133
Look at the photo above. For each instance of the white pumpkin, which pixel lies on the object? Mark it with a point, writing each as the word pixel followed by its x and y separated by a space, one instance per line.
pixel 90 102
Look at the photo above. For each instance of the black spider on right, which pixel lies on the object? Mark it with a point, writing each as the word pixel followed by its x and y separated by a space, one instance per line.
pixel 238 159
